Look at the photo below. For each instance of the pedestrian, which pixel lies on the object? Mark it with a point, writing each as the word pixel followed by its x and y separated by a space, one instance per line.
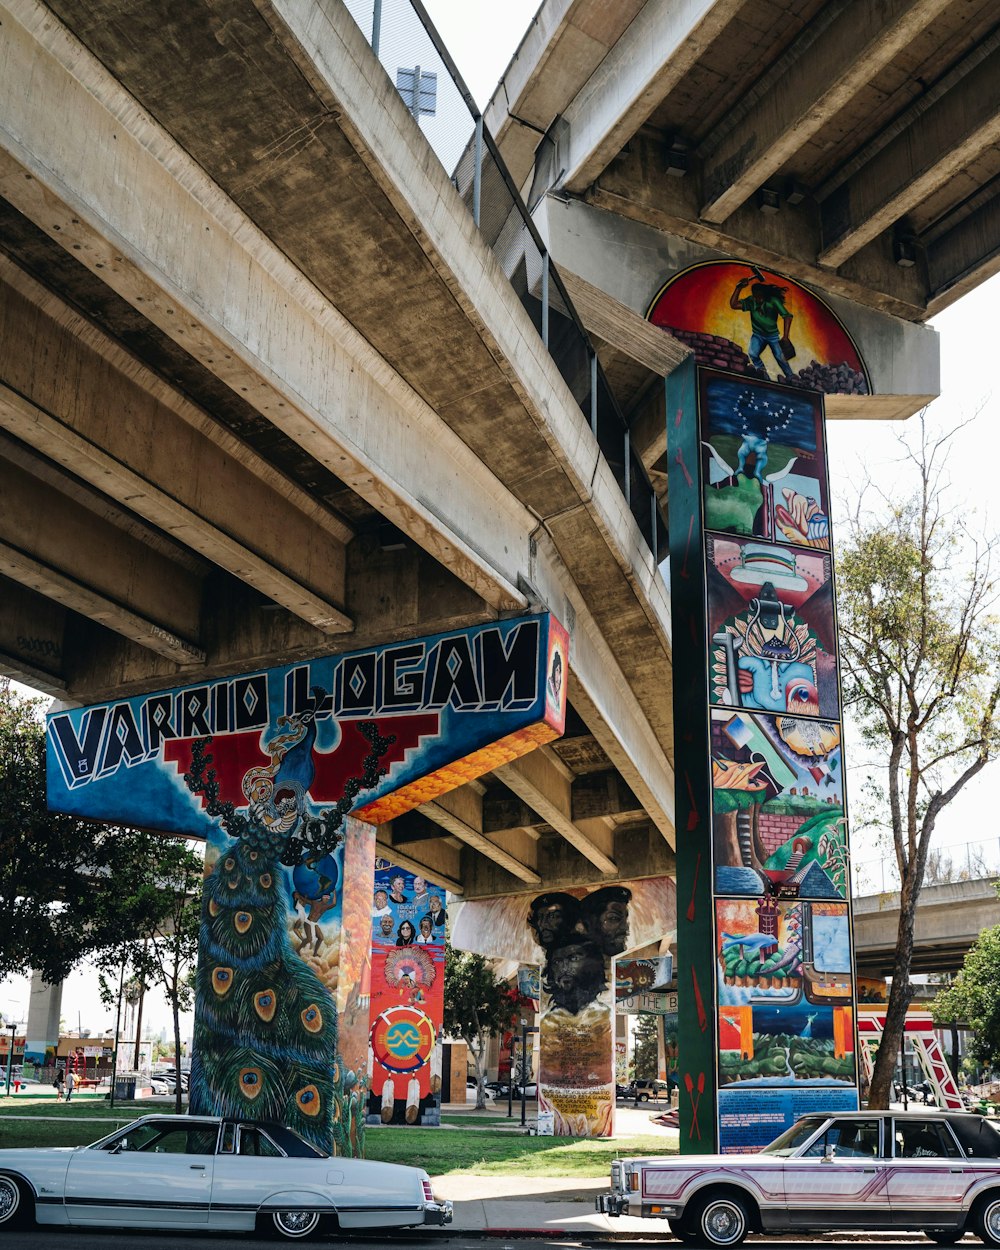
pixel 57 1084
pixel 70 1083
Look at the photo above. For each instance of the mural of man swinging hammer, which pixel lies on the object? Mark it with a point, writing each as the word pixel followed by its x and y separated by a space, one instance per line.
pixel 765 304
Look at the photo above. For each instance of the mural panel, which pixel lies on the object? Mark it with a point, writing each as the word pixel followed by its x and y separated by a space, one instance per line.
pixel 737 316
pixel 268 768
pixel 407 997
pixel 764 862
pixel 778 820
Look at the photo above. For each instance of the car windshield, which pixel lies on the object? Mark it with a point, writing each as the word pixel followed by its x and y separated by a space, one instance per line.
pixel 792 1138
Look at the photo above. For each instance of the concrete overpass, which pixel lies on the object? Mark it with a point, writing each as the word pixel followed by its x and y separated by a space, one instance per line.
pixel 266 392
pixel 949 918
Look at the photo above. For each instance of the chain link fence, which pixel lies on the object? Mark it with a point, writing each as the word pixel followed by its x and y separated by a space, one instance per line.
pixel 410 50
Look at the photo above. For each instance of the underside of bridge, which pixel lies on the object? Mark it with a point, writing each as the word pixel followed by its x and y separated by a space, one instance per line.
pixel 266 394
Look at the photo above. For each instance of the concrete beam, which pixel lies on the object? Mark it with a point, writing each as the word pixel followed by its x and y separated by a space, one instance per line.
pixel 72 594
pixel 603 794
pixel 460 813
pixel 662 43
pixel 165 468
pixel 302 364
pixel 83 562
pixel 943 138
pixel 33 638
pixel 964 256
pixel 844 47
pixel 546 785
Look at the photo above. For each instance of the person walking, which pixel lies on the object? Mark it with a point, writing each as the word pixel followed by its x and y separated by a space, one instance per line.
pixel 57 1085
pixel 70 1084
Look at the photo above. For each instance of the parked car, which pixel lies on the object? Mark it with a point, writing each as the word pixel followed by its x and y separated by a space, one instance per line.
pixel 470 1091
pixel 938 1172
pixel 204 1172
pixel 643 1091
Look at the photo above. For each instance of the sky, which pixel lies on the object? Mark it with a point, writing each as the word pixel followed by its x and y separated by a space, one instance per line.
pixel 482 39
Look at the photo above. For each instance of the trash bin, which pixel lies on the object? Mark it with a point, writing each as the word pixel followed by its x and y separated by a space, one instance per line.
pixel 125 1086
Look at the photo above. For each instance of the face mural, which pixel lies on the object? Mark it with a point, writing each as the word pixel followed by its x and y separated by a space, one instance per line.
pixel 766 996
pixel 284 774
pixel 579 937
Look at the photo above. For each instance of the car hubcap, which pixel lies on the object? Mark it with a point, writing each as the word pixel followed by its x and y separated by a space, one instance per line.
pixel 723 1223
pixel 296 1222
pixel 993 1221
pixel 8 1200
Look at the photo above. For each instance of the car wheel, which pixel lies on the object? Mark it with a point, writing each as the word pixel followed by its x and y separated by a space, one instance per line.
pixel 295 1223
pixel 13 1204
pixel 987 1221
pixel 721 1220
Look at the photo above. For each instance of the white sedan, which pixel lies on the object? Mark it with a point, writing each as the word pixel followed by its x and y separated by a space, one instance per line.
pixel 203 1172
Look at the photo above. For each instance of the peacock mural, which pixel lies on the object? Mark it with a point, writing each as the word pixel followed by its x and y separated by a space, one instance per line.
pixel 266 1027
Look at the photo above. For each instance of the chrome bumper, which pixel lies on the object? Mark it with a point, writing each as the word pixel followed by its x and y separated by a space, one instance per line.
pixel 611 1204
pixel 438 1212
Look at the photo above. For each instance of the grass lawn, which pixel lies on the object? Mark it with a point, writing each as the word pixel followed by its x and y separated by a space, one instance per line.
pixel 440 1151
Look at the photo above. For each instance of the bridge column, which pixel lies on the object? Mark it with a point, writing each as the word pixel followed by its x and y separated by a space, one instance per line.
pixel 44 1011
pixel 765 963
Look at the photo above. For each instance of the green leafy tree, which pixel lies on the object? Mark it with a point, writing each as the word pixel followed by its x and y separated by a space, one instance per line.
pixel 164 951
pixel 918 641
pixel 68 888
pixel 477 1006
pixel 646 1056
pixel 974 998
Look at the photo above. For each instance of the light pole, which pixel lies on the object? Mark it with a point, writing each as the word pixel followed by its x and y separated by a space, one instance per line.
pixel 525 1030
pixel 13 1025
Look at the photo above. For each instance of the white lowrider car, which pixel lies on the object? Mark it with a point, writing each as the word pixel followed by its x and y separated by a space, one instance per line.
pixel 202 1172
pixel 938 1172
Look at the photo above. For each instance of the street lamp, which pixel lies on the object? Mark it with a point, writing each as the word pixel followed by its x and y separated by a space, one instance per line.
pixel 13 1025
pixel 525 1030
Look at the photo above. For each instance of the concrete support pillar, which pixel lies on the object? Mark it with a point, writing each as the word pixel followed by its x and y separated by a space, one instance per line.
pixel 281 1018
pixel 44 1010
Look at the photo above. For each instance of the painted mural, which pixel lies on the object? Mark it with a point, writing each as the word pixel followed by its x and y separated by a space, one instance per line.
pixel 576 936
pixel 737 316
pixel 407 997
pixel 580 936
pixel 764 865
pixel 284 773
pixel 770 617
pixel 778 821
pixel 764 463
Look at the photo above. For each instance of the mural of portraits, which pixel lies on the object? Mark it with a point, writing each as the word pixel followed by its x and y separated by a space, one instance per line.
pixel 778 818
pixel 579 937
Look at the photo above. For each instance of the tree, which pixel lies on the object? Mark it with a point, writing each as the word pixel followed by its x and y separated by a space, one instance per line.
pixel 67 887
pixel 165 950
pixel 974 998
pixel 646 1056
pixel 477 1006
pixel 918 643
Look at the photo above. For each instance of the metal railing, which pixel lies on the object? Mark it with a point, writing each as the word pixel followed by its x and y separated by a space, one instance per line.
pixel 403 38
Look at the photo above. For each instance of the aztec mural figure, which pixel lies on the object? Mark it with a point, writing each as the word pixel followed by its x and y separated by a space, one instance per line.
pixel 285 774
pixel 764 944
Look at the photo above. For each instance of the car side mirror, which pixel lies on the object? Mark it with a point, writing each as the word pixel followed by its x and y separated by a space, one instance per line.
pixel 829 1153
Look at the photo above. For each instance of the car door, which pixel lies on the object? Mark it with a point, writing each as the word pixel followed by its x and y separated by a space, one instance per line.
pixel 248 1167
pixel 838 1180
pixel 158 1173
pixel 926 1177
